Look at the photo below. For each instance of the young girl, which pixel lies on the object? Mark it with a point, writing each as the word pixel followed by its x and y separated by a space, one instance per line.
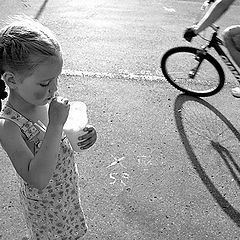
pixel 31 131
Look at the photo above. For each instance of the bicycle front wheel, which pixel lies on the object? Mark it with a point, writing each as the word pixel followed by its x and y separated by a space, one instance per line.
pixel 191 73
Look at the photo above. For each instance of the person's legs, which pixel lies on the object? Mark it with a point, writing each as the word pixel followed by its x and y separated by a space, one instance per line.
pixel 231 38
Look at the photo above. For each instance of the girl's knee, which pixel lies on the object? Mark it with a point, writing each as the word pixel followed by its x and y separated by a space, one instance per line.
pixel 231 31
pixel 231 36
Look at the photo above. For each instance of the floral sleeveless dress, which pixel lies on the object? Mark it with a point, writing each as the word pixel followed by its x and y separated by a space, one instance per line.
pixel 55 212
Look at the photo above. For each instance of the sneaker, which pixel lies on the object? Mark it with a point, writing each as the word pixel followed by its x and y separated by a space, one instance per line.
pixel 236 92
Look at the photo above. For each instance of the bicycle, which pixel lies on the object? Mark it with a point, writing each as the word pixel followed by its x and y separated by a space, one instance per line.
pixel 196 72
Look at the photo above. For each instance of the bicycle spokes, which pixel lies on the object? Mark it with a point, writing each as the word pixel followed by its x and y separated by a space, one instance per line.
pixel 191 70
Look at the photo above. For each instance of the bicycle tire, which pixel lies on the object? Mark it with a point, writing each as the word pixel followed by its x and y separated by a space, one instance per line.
pixel 211 62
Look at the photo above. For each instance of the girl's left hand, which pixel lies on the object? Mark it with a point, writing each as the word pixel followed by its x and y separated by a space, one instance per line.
pixel 88 139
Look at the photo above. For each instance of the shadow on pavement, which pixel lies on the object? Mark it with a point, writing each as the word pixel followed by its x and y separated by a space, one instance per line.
pixel 223 152
pixel 40 11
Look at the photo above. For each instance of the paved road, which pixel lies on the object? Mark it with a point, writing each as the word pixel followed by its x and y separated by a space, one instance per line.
pixel 165 166
pixel 112 36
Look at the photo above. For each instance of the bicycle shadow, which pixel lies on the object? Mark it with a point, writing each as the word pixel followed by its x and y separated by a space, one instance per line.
pixel 223 152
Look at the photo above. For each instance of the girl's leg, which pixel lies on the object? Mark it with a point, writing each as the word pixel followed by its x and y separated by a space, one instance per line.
pixel 231 38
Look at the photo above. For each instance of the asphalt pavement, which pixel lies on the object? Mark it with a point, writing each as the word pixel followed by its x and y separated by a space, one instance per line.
pixel 165 165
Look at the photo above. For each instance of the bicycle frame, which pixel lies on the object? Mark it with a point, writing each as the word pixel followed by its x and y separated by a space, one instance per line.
pixel 216 43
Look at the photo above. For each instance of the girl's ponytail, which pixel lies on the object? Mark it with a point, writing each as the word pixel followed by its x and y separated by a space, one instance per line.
pixel 3 93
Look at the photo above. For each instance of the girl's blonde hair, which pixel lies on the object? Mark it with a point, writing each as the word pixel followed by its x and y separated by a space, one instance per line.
pixel 22 39
pixel 24 43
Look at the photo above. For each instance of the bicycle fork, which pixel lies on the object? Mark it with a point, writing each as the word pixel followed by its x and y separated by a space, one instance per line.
pixel 199 58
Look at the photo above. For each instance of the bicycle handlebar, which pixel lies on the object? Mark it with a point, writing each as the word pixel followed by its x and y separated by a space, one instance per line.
pixel 190 33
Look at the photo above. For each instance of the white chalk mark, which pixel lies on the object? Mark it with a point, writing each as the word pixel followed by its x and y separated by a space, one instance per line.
pixel 114 179
pixel 123 182
pixel 114 175
pixel 144 160
pixel 118 174
pixel 125 175
pixel 117 161
pixel 169 9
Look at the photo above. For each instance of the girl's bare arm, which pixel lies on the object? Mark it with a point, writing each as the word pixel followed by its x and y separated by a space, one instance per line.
pixel 35 170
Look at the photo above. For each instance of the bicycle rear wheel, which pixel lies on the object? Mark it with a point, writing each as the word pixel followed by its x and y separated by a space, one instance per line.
pixel 194 74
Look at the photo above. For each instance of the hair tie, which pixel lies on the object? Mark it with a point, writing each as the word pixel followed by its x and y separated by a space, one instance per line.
pixel 3 93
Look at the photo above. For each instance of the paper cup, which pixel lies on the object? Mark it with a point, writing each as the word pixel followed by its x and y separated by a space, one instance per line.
pixel 76 122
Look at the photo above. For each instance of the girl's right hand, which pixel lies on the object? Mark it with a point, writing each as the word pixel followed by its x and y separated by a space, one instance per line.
pixel 189 33
pixel 58 111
